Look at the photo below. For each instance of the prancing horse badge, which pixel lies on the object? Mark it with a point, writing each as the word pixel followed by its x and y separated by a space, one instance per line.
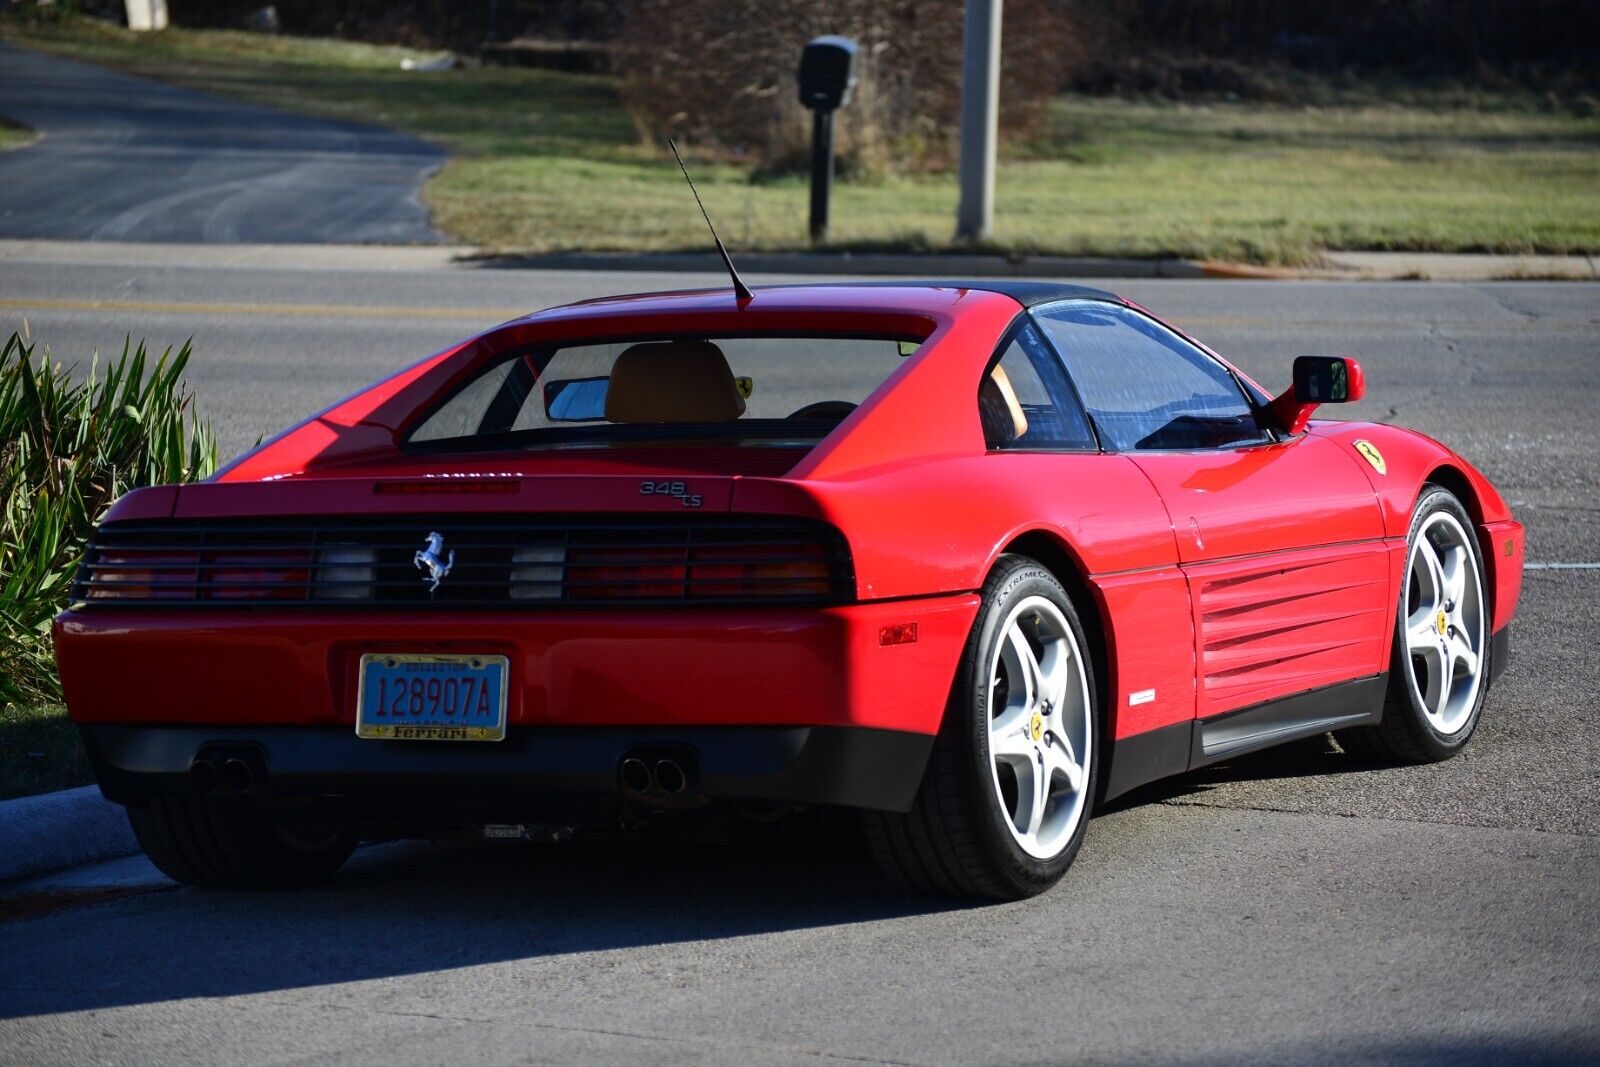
pixel 1370 453
pixel 434 561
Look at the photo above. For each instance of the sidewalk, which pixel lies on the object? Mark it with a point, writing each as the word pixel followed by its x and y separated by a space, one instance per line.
pixel 1341 266
pixel 1350 266
pixel 1429 266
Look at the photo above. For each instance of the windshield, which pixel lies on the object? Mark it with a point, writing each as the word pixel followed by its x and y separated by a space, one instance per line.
pixel 759 391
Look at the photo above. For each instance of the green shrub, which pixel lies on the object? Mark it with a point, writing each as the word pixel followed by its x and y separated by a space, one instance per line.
pixel 67 450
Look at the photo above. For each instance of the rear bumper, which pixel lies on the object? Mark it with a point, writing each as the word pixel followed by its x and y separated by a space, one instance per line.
pixel 652 668
pixel 534 771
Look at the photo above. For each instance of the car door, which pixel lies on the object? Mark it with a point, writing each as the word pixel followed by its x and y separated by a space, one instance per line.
pixel 1280 539
pixel 1107 509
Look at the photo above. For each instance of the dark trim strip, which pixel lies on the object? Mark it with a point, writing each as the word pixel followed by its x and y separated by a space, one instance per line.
pixel 1358 702
pixel 1142 758
pixel 1184 746
pixel 1499 653
pixel 856 767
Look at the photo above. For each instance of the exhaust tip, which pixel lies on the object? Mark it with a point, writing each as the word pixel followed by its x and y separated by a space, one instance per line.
pixel 203 773
pixel 238 775
pixel 670 777
pixel 635 776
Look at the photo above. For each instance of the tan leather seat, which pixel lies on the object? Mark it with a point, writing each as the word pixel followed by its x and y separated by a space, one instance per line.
pixel 999 409
pixel 672 381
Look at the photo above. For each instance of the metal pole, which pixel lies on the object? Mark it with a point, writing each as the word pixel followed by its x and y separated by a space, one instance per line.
pixel 821 172
pixel 980 117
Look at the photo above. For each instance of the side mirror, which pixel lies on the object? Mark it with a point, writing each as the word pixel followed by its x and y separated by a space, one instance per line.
pixel 1327 380
pixel 1318 380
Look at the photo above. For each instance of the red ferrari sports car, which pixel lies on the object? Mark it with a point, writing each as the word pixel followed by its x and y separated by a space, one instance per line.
pixel 965 558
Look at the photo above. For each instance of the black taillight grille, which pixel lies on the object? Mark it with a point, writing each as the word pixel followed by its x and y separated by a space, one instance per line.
pixel 479 562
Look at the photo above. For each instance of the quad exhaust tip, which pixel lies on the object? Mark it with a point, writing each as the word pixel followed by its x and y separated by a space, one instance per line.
pixel 659 776
pixel 238 775
pixel 636 775
pixel 225 772
pixel 670 777
pixel 203 773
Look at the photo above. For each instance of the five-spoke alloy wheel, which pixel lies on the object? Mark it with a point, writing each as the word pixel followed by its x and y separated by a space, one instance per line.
pixel 1439 669
pixel 1010 785
pixel 1443 623
pixel 1039 728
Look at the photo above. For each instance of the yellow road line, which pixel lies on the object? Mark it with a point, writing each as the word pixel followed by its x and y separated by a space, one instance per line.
pixel 488 315
pixel 370 311
pixel 339 311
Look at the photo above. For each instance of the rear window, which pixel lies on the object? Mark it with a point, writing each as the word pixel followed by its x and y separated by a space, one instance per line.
pixel 759 391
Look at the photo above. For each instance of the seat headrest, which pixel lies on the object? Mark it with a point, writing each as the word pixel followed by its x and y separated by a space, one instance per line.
pixel 1001 413
pixel 672 381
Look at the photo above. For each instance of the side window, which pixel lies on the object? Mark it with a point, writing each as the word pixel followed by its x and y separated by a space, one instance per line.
pixel 1026 402
pixel 1143 385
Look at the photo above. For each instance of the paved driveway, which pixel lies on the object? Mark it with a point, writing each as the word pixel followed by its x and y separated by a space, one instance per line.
pixel 126 159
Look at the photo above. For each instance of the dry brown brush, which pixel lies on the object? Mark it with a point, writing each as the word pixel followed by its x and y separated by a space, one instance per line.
pixel 721 73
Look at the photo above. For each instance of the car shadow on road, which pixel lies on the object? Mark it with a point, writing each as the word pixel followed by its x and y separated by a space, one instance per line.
pixel 415 908
pixel 412 908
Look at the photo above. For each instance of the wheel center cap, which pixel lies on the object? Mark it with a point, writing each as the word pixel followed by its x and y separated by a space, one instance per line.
pixel 1441 622
pixel 1036 726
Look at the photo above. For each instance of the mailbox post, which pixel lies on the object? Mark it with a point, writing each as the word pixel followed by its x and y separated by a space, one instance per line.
pixel 827 75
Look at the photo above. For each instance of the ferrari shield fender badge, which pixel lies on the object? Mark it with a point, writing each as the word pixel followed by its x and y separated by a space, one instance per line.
pixel 1370 453
pixel 434 560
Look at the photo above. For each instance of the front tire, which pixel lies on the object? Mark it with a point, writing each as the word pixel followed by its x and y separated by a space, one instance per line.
pixel 1439 665
pixel 1007 795
pixel 216 845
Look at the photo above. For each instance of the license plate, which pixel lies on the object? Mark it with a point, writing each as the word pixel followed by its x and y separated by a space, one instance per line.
pixel 410 697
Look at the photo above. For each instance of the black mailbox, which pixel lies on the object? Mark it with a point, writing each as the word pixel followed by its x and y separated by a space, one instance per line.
pixel 827 72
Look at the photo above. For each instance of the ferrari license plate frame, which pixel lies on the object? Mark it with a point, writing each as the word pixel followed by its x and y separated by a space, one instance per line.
pixel 412 696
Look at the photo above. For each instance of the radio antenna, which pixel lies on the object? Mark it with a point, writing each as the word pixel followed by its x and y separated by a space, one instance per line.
pixel 741 291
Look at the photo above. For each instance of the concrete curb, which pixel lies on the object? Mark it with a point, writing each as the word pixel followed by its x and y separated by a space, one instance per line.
pixel 1340 266
pixel 926 266
pixel 55 831
pixel 1336 266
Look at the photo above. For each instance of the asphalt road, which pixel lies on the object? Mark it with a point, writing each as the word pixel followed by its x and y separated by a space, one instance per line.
pixel 1297 906
pixel 127 159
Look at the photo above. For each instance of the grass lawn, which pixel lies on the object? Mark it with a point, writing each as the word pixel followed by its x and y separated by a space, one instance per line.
pixel 546 161
pixel 40 751
pixel 13 135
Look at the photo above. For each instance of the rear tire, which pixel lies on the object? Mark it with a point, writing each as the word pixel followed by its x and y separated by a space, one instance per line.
pixel 1009 788
pixel 1439 665
pixel 216 845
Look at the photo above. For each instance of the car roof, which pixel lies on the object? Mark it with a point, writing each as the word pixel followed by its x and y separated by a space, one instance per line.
pixel 885 294
pixel 1025 291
